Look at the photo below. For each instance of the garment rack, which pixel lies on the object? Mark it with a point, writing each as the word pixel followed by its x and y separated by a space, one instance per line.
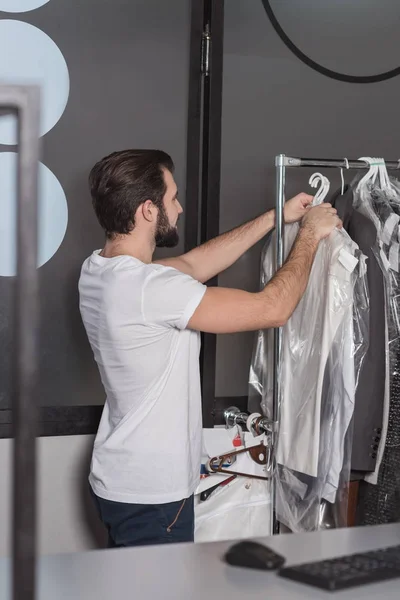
pixel 281 163
pixel 233 416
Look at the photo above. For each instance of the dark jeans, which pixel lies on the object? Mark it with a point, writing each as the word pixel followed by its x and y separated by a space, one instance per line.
pixel 145 524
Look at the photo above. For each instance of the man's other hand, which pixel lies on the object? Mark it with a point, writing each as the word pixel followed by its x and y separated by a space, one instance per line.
pixel 320 221
pixel 296 208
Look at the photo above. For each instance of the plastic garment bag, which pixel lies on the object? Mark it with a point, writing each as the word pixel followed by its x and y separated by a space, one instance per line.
pixel 324 343
pixel 370 393
pixel 378 197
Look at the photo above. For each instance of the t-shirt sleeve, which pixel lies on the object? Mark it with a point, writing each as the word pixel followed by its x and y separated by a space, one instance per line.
pixel 170 297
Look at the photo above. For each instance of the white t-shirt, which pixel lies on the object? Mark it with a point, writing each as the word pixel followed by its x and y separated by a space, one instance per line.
pixel 149 443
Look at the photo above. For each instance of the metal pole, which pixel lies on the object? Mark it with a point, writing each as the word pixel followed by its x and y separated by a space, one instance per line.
pixel 290 161
pixel 279 220
pixel 25 364
pixel 233 416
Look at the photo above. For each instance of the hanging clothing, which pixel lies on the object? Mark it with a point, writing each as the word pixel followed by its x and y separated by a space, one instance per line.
pixel 381 435
pixel 323 316
pixel 370 393
pixel 321 355
pixel 380 503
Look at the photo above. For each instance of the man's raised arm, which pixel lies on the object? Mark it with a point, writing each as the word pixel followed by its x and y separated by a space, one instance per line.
pixel 224 310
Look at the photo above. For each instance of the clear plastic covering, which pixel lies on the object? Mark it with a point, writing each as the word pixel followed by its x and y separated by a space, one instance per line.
pixel 324 344
pixel 378 197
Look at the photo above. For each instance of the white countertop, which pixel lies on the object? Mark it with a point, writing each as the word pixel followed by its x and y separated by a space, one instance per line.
pixel 196 571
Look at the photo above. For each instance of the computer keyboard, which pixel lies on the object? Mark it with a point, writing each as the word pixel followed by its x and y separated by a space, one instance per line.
pixel 348 571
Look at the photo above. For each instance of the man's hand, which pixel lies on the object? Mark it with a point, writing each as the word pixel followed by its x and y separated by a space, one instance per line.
pixel 225 310
pixel 320 221
pixel 296 208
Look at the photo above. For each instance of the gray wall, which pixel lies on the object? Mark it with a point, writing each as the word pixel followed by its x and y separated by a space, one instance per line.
pixel 128 66
pixel 67 520
pixel 273 103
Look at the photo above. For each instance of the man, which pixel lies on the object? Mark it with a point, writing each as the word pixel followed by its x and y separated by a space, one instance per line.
pixel 142 319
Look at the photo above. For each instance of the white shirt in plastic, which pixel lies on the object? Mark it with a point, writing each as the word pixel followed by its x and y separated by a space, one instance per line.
pixel 317 341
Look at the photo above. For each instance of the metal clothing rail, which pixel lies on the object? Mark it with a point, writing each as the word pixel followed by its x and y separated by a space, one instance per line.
pixel 24 102
pixel 281 163
pixel 289 161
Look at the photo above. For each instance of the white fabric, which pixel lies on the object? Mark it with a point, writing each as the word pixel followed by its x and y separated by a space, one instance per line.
pixel 241 508
pixel 342 397
pixel 149 443
pixel 373 477
pixel 325 309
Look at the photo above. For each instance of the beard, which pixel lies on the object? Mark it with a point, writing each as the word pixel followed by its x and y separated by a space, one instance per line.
pixel 167 236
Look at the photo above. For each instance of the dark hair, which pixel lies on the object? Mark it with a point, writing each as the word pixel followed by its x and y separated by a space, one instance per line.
pixel 122 181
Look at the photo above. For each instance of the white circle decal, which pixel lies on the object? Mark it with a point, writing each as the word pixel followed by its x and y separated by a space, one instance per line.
pixel 28 55
pixel 15 6
pixel 52 214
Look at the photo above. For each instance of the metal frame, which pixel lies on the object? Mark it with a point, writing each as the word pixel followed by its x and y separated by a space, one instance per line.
pixel 24 102
pixel 203 164
pixel 253 423
pixel 211 174
pixel 194 127
pixel 342 163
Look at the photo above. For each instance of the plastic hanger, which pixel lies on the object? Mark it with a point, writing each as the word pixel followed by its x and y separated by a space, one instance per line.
pixel 378 173
pixel 371 173
pixel 386 184
pixel 314 181
pixel 341 174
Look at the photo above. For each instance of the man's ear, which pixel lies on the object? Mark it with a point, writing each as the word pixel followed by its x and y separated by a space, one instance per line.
pixel 148 210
